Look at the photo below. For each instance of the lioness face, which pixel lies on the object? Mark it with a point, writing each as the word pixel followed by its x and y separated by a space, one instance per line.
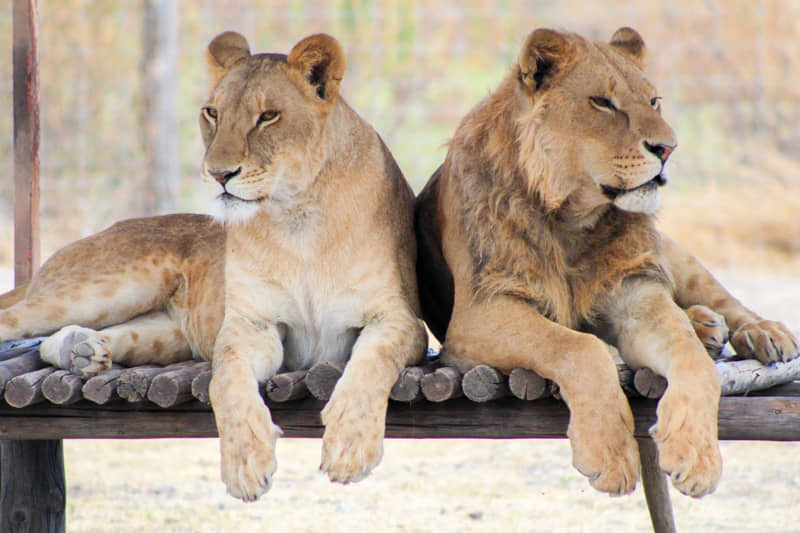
pixel 263 122
pixel 609 116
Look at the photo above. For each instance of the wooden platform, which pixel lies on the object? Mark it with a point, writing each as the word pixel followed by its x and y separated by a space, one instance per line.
pixel 773 414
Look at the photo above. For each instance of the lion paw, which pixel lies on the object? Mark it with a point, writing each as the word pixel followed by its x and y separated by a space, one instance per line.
pixel 710 328
pixel 766 341
pixel 247 446
pixel 81 350
pixel 606 452
pixel 353 441
pixel 686 436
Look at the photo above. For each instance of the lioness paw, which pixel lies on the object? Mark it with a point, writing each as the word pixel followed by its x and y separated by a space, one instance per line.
pixel 605 451
pixel 710 328
pixel 247 446
pixel 81 350
pixel 766 341
pixel 688 452
pixel 353 441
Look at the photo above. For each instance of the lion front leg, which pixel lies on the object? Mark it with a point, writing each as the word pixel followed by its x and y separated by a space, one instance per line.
pixel 355 416
pixel 652 331
pixel 751 335
pixel 243 356
pixel 506 333
pixel 710 328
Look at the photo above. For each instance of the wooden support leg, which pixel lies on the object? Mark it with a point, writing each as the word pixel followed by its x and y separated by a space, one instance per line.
pixel 32 486
pixel 656 490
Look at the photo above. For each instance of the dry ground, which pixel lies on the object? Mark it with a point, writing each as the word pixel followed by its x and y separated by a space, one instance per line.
pixel 442 486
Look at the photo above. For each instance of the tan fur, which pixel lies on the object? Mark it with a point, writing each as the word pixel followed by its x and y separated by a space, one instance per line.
pixel 170 264
pixel 312 259
pixel 537 240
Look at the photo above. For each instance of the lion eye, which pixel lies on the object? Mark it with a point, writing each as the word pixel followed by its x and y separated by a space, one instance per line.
pixel 210 113
pixel 602 103
pixel 656 102
pixel 268 117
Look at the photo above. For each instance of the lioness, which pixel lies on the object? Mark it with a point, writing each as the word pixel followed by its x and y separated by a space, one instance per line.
pixel 312 260
pixel 537 240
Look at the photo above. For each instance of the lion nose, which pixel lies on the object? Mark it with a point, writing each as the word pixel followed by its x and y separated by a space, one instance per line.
pixel 223 176
pixel 661 151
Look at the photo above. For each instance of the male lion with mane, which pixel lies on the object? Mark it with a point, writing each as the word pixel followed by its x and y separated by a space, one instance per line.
pixel 536 240
pixel 312 259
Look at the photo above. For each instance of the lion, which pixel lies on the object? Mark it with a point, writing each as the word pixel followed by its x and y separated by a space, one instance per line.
pixel 537 243
pixel 311 258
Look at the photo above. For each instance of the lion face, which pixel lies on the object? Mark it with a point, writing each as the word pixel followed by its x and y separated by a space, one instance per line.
pixel 604 140
pixel 262 124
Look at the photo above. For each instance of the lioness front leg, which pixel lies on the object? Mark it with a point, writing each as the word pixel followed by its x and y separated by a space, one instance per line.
pixel 652 331
pixel 751 335
pixel 243 356
pixel 355 416
pixel 506 333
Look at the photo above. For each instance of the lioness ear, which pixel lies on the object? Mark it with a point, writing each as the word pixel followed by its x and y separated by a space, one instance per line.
pixel 320 60
pixel 223 52
pixel 544 54
pixel 628 41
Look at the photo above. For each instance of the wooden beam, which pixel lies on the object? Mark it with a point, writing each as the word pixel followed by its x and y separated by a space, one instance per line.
pixel 751 418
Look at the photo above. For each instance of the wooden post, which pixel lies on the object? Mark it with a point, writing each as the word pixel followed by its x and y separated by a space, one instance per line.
pixel 174 387
pixel 321 379
pixel 442 384
pixel 26 389
pixel 26 139
pixel 527 384
pixel 18 366
pixel 483 383
pixel 32 484
pixel 286 386
pixel 63 387
pixel 656 490
pixel 200 387
pixel 649 384
pixel 102 388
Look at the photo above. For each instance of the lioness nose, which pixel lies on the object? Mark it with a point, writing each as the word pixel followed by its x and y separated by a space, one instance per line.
pixel 661 151
pixel 224 176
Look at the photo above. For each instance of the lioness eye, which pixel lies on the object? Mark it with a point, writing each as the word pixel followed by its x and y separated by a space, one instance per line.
pixel 268 117
pixel 602 103
pixel 655 102
pixel 210 113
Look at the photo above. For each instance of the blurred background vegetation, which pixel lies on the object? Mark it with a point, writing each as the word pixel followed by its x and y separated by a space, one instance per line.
pixel 729 73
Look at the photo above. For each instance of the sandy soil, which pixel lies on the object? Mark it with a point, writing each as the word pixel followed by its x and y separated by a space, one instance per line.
pixel 428 485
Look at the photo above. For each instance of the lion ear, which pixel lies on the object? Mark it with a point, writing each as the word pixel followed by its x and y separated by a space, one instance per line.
pixel 225 50
pixel 320 60
pixel 628 41
pixel 544 55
